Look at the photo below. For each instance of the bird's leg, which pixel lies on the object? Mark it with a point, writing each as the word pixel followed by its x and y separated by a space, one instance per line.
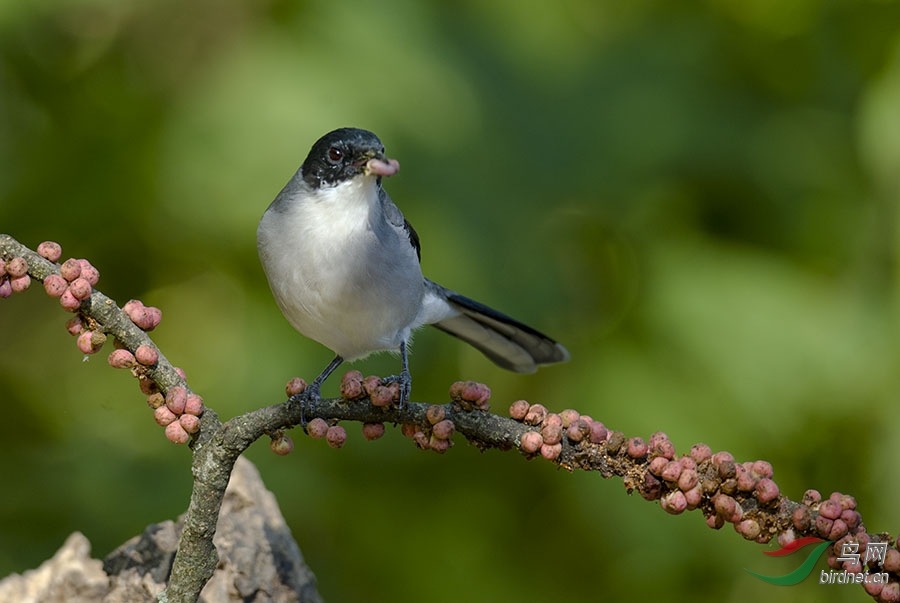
pixel 312 393
pixel 404 378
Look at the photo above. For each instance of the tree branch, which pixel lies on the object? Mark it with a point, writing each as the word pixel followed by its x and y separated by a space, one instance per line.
pixel 723 490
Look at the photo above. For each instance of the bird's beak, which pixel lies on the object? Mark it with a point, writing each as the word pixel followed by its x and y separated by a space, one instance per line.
pixel 379 165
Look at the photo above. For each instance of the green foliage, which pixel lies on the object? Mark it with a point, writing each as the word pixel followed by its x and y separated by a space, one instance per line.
pixel 699 199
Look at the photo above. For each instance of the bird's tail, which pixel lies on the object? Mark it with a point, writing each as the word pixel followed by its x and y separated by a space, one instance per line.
pixel 506 341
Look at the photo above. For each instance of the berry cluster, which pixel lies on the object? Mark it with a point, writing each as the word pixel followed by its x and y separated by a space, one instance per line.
pixel 178 411
pixel 14 277
pixel 436 434
pixel 355 387
pixel 568 424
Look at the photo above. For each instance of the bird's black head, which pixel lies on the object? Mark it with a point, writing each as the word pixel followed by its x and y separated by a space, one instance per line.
pixel 340 155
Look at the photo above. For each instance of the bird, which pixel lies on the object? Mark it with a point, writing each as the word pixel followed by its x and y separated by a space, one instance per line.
pixel 343 264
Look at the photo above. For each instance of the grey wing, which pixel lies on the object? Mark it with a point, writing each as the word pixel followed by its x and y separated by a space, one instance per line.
pixel 395 217
pixel 507 342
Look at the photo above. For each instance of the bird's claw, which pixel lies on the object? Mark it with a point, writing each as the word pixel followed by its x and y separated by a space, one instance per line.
pixel 309 397
pixel 404 379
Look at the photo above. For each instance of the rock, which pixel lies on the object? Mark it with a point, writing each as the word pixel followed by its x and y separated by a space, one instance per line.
pixel 259 561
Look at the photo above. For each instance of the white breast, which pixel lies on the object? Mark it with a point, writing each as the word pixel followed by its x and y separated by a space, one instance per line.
pixel 341 274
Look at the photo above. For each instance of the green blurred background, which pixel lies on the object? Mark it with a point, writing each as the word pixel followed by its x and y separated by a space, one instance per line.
pixel 700 199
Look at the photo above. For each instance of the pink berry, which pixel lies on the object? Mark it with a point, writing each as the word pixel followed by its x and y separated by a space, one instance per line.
pixel 90 342
pixel 282 445
pixel 830 509
pixel 17 267
pixel 121 359
pixel 553 419
pixel 75 325
pixel 674 502
pixel 80 288
pixel 873 589
pixel 801 518
pixel 435 414
pixel 518 409
pixel 438 445
pixel 838 530
pixel 68 301
pixel 664 448
pixel 55 285
pixel 146 355
pixel 722 457
pixel 176 399
pixel 847 502
pixel 408 430
pixel 656 438
pixel 351 386
pixel 422 441
pixel 50 250
pixel 762 469
pixel 88 272
pixel 890 593
pixel 153 318
pixel 70 269
pixel 193 405
pixel 444 430
pixel 766 490
pixel 694 497
pixel 176 433
pixel 657 465
pixel 336 436
pixel 637 447
pixel 370 383
pixel 892 561
pixel 599 432
pixel 317 428
pixel 180 372
pixel 551 451
pixel 372 431
pixel 295 387
pixel 147 386
pixel 651 488
pixel 851 518
pixel 748 528
pixel 163 416
pixel 531 442
pixel 671 472
pixel 724 505
pixel 551 433
pixel 687 480
pixel 5 287
pixel 700 452
pixel 190 423
pixel 470 391
pixel 583 425
pixel 382 396
pixel 823 526
pixel 20 283
pixel 569 416
pixel 536 414
pixel 811 497
pixel 715 521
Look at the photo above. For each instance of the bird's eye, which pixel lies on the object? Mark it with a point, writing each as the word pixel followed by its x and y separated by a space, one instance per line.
pixel 335 154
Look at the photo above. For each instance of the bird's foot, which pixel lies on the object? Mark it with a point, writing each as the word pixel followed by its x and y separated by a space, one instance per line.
pixel 309 397
pixel 404 380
